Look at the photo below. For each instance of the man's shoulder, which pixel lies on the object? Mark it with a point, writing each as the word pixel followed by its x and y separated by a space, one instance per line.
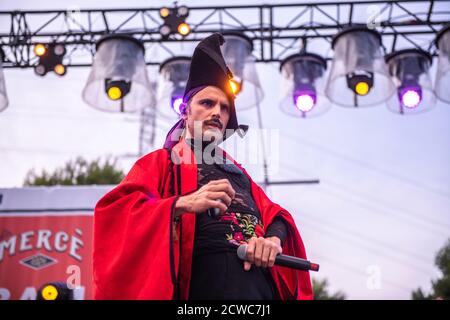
pixel 158 155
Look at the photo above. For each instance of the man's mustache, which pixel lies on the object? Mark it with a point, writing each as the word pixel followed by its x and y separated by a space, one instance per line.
pixel 214 122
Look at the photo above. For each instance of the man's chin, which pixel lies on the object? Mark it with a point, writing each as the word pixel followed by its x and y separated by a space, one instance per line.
pixel 211 134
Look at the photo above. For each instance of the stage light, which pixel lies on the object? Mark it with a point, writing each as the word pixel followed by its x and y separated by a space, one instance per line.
pixel 409 70
pixel 50 59
pixel 174 21
pixel 40 70
pixel 3 96
pixel 165 30
pixel 177 101
pixel 49 292
pixel 442 82
pixel 114 93
pixel 237 52
pixel 117 89
pixel 360 83
pixel 164 12
pixel 184 29
pixel 235 85
pixel 40 49
pixel 173 76
pixel 303 82
pixel 359 75
pixel 362 88
pixel 119 62
pixel 305 101
pixel 60 69
pixel 55 291
pixel 59 50
pixel 183 11
pixel 410 97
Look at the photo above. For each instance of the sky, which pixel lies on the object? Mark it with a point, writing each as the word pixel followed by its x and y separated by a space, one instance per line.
pixel 374 222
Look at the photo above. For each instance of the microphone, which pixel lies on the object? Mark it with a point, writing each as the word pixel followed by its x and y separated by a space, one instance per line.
pixel 214 212
pixel 283 260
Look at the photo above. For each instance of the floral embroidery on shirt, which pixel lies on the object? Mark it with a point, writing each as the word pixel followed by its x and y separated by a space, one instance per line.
pixel 243 227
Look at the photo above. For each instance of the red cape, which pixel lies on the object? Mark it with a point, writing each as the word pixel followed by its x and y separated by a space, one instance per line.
pixel 137 249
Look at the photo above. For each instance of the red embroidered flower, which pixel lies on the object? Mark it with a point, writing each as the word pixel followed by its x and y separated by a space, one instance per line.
pixel 238 236
pixel 230 217
pixel 259 230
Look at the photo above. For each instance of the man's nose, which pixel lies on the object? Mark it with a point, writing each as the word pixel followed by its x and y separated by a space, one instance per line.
pixel 216 110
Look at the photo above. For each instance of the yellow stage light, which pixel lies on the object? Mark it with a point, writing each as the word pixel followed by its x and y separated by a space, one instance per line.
pixel 164 12
pixel 184 29
pixel 60 69
pixel 362 88
pixel 114 93
pixel 49 292
pixel 40 49
pixel 235 86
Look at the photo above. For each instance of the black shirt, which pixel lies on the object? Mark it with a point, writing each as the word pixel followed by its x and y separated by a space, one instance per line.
pixel 217 272
pixel 241 221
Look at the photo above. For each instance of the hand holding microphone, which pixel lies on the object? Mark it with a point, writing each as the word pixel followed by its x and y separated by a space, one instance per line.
pixel 280 260
pixel 213 198
pixel 214 212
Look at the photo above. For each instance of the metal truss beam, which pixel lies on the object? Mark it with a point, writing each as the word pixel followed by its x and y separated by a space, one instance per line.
pixel 276 30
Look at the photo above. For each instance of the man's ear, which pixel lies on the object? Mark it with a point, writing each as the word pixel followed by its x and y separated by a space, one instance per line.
pixel 184 111
pixel 184 115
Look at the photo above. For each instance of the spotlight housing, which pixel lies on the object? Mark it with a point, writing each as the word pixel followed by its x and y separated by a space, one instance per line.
pixel 237 52
pixel 410 72
pixel 50 58
pixel 442 82
pixel 174 21
pixel 3 96
pixel 173 76
pixel 359 76
pixel 303 83
pixel 118 80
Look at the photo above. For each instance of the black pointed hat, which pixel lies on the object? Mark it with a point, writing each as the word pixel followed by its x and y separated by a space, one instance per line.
pixel 208 68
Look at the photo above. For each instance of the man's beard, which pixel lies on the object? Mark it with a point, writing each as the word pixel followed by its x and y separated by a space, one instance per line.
pixel 213 135
pixel 209 134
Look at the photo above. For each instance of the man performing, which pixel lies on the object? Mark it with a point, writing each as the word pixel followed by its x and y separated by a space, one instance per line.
pixel 170 229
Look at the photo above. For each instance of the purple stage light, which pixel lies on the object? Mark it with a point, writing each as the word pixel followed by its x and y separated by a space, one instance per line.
pixel 410 97
pixel 305 101
pixel 176 104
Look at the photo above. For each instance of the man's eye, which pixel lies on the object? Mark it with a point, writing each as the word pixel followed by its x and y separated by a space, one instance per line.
pixel 207 103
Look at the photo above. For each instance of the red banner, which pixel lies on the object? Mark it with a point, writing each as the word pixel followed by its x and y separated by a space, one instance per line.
pixel 45 247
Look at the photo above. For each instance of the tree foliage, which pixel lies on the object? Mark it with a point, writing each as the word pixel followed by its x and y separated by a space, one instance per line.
pixel 440 287
pixel 320 288
pixel 78 172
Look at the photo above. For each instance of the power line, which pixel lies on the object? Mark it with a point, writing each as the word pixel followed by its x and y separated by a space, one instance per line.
pixel 358 235
pixel 368 166
pixel 359 272
pixel 390 206
pixel 333 234
pixel 376 211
